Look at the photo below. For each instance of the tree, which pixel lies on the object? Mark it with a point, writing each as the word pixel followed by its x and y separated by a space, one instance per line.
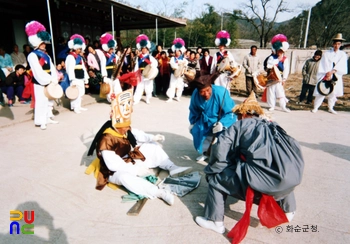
pixel 328 18
pixel 256 12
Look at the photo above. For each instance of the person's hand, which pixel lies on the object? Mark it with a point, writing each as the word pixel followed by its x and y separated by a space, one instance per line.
pixel 86 82
pixel 158 138
pixel 329 75
pixel 217 127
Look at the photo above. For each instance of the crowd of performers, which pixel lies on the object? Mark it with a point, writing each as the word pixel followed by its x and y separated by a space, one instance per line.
pixel 249 156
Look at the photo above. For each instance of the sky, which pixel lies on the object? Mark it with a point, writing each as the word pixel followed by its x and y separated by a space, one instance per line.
pixel 196 7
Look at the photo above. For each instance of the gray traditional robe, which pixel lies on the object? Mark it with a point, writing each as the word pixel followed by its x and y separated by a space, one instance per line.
pixel 256 153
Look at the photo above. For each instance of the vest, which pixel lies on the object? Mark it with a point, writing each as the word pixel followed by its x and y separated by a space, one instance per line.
pixel 44 61
pixel 143 61
pixel 78 69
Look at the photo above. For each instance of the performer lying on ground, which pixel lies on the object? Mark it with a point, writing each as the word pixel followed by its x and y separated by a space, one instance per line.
pixel 126 154
pixel 255 161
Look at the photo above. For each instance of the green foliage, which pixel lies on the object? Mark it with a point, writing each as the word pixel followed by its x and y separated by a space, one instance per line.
pixel 199 32
pixel 328 17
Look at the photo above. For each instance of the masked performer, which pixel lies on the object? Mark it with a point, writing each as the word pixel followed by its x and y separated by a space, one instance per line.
pixel 125 154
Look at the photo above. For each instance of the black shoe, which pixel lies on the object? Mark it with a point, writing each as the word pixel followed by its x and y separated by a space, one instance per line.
pixel 308 102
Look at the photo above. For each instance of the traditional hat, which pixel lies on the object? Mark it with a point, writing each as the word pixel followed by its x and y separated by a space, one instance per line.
pixel 142 41
pixel 37 33
pixel 178 44
pixel 338 37
pixel 279 42
pixel 107 42
pixel 122 108
pixel 222 38
pixel 249 106
pixel 203 81
pixel 76 41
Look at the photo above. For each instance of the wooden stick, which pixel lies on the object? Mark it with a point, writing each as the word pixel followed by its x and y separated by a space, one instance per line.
pixel 137 207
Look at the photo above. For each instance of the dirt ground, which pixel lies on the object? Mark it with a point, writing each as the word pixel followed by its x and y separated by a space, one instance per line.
pixel 293 88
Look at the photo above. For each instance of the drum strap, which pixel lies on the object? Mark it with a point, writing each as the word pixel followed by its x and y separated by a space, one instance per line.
pixel 44 61
pixel 178 58
pixel 110 58
pixel 219 57
pixel 144 59
pixel 78 58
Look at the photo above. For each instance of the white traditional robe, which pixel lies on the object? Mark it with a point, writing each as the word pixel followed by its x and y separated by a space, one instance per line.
pixel 176 85
pixel 339 58
pixel 43 106
pixel 80 83
pixel 146 85
pixel 276 91
pixel 128 174
pixel 223 79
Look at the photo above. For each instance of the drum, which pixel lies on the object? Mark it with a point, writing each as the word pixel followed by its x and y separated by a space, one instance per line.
pixel 235 71
pixel 325 87
pixel 72 92
pixel 150 72
pixel 53 91
pixel 224 65
pixel 105 88
pixel 262 80
pixel 190 73
pixel 180 70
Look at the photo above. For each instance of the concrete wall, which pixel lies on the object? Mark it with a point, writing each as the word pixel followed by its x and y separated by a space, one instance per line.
pixel 297 57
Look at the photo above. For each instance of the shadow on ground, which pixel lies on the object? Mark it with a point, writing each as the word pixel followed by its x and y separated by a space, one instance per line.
pixel 337 150
pixel 43 222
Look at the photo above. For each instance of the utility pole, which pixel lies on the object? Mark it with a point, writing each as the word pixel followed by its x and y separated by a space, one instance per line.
pixel 301 31
pixel 156 31
pixel 222 20
pixel 307 28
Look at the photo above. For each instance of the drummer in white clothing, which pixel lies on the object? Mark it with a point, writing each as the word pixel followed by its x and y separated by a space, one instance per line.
pixel 178 64
pixel 223 40
pixel 76 70
pixel 276 91
pixel 44 73
pixel 144 59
